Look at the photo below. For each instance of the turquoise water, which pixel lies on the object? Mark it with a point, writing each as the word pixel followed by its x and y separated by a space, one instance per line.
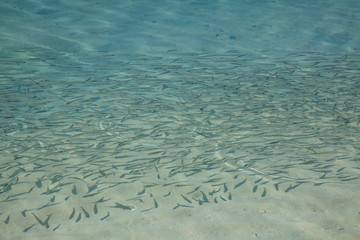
pixel 172 107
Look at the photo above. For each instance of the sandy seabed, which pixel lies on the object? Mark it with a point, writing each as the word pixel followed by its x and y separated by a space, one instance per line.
pixel 304 214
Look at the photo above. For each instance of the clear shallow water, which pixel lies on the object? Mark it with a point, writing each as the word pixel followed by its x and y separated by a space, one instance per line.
pixel 101 114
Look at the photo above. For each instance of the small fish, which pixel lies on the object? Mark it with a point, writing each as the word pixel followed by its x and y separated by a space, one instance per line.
pixel 56 227
pixel 95 209
pixel 23 213
pixel 91 195
pixel 74 191
pixel 255 188
pixel 156 205
pixel 118 205
pixel 225 188
pixel 108 214
pixel 349 179
pixel 180 205
pixel 38 183
pixel 51 191
pixel 87 215
pixel 276 185
pixel 318 184
pixel 204 197
pixel 93 187
pixel 56 178
pixel 102 200
pixel 289 188
pixel 52 199
pixel 47 205
pixel 186 199
pixel 102 173
pixel 163 73
pixel 263 183
pixel 214 191
pixel 197 188
pixel 39 220
pixel 28 228
pixel 72 214
pixel 142 192
pixel 239 184
pixel 78 218
pixel 264 193
pixel 229 196
pixel 259 180
pixel 166 195
pixel 46 222
pixel 223 199
pixel 212 180
pixel 31 189
pixel 7 220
